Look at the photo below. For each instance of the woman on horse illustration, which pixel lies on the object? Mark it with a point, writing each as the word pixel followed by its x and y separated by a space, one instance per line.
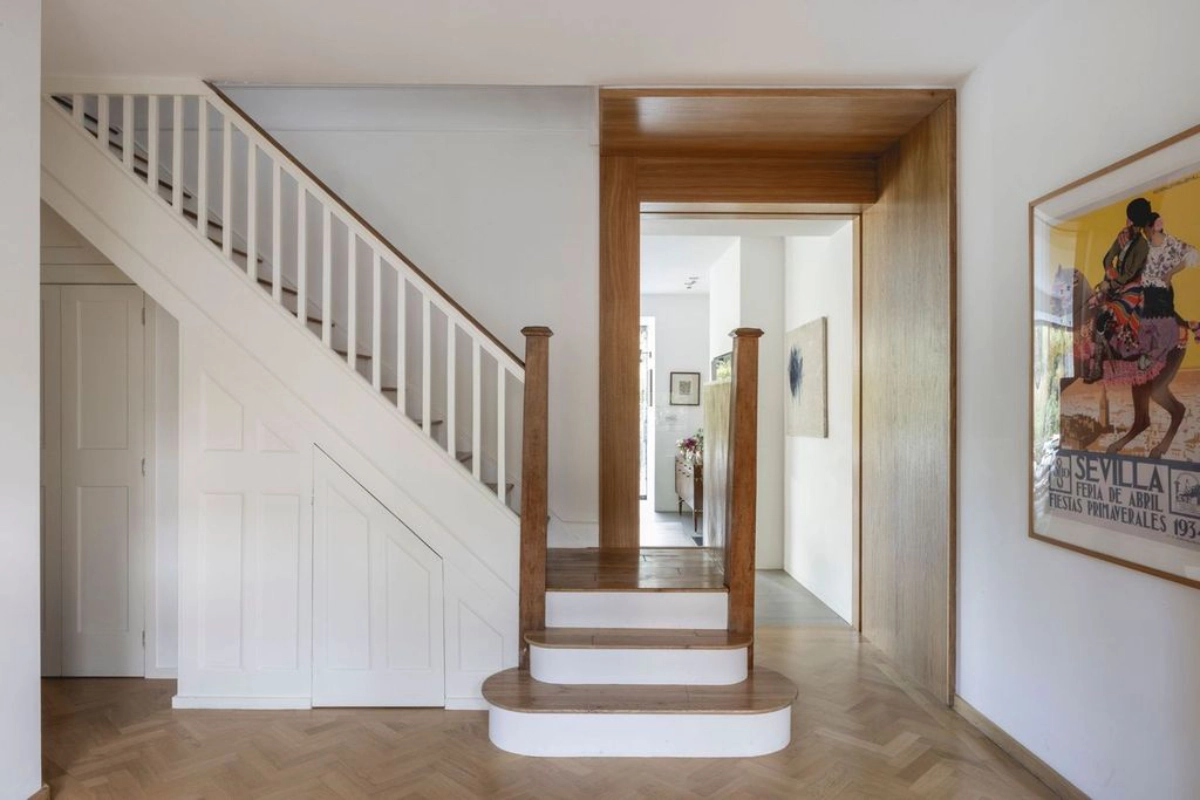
pixel 1118 300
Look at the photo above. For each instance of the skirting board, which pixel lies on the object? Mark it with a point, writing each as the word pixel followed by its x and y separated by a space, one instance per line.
pixel 242 703
pixel 1021 754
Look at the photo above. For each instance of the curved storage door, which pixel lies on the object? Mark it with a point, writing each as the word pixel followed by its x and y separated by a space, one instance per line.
pixel 377 602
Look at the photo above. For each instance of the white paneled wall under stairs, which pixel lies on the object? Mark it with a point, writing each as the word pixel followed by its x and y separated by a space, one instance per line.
pixel 302 335
pixel 228 180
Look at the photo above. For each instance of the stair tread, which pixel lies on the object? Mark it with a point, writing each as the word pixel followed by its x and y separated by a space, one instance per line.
pixel 346 353
pixel 645 569
pixel 639 639
pixel 762 692
pixel 285 289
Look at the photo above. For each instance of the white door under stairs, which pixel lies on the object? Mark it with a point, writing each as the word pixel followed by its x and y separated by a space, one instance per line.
pixel 377 602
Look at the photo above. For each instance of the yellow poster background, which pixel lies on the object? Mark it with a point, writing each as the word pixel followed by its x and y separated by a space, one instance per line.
pixel 1092 416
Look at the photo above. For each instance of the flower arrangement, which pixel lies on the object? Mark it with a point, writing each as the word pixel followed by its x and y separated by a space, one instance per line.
pixel 692 447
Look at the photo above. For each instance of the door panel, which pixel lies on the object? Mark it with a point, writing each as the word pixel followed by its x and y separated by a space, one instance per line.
pixel 377 602
pixel 102 495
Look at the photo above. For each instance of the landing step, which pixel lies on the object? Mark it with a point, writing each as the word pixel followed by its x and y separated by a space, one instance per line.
pixel 534 718
pixel 638 656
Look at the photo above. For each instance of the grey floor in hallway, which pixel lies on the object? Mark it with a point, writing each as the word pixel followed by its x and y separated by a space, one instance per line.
pixel 781 601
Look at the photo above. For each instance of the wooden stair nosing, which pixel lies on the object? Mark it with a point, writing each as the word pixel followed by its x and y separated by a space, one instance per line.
pixel 639 639
pixel 764 691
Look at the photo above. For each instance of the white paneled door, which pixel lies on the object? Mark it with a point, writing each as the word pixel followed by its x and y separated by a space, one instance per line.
pixel 377 602
pixel 102 558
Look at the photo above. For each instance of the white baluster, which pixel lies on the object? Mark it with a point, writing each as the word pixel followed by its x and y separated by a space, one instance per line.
pixel 401 343
pixel 251 210
pixel 177 153
pixel 127 131
pixel 301 254
pixel 202 168
pixel 351 299
pixel 451 355
pixel 102 121
pixel 227 190
pixel 501 418
pixel 327 277
pixel 476 409
pixel 426 367
pixel 152 142
pixel 276 233
pixel 77 109
pixel 377 320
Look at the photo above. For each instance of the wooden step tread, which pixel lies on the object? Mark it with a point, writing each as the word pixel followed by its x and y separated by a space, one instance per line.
pixel 646 569
pixel 763 692
pixel 639 639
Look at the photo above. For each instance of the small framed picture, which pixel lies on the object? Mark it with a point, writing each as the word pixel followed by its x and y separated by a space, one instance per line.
pixel 685 388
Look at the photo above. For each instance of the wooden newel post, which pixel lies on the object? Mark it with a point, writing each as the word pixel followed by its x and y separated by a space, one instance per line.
pixel 741 508
pixel 534 508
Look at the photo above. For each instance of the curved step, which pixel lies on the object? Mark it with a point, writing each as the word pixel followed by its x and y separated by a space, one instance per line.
pixel 749 718
pixel 638 656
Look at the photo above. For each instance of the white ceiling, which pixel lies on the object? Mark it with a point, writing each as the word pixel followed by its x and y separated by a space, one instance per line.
pixel 547 42
pixel 670 262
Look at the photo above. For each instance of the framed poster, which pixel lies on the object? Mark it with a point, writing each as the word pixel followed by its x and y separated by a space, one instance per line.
pixel 805 379
pixel 685 388
pixel 1115 389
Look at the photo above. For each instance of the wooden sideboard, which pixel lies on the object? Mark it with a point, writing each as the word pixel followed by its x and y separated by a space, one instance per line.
pixel 689 485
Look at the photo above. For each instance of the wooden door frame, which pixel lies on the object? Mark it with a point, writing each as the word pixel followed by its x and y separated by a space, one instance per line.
pixel 626 182
pixel 739 175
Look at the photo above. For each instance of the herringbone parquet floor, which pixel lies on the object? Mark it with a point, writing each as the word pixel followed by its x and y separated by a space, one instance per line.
pixel 859 733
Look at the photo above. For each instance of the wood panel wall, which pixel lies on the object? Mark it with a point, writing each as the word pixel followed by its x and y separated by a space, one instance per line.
pixel 908 402
pixel 620 315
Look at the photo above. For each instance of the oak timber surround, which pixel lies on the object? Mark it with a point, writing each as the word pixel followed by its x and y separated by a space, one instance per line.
pixel 815 151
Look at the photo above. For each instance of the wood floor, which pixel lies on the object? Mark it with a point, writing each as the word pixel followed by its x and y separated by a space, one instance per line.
pixel 858 733
pixel 651 569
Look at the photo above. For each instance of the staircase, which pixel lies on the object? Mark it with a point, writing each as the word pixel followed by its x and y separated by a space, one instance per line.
pixel 316 258
pixel 645 652
pixel 621 653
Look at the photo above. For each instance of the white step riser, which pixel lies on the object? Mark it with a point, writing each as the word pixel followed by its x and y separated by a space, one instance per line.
pixel 640 735
pixel 637 610
pixel 638 666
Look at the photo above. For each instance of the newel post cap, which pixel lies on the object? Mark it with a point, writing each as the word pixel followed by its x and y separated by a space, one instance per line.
pixel 537 330
pixel 746 333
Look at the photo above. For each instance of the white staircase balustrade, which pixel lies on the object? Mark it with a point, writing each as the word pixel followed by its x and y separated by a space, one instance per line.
pixel 266 214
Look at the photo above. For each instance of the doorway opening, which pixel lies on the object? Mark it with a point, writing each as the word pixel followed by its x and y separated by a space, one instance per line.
pixel 109 467
pixel 703 274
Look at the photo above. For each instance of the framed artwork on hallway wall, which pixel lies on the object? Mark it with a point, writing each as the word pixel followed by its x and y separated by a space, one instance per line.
pixel 1115 384
pixel 685 388
pixel 805 380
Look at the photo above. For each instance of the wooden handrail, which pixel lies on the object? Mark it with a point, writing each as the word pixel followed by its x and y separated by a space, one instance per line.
pixel 741 507
pixel 346 209
pixel 534 472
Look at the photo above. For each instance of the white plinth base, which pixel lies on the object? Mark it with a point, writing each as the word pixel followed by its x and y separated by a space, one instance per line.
pixel 716 667
pixel 636 735
pixel 637 609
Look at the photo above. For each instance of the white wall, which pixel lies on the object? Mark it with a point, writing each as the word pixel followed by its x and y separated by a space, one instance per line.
pixel 724 301
pixel 1091 666
pixel 818 547
pixel 762 268
pixel 494 194
pixel 20 358
pixel 680 345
